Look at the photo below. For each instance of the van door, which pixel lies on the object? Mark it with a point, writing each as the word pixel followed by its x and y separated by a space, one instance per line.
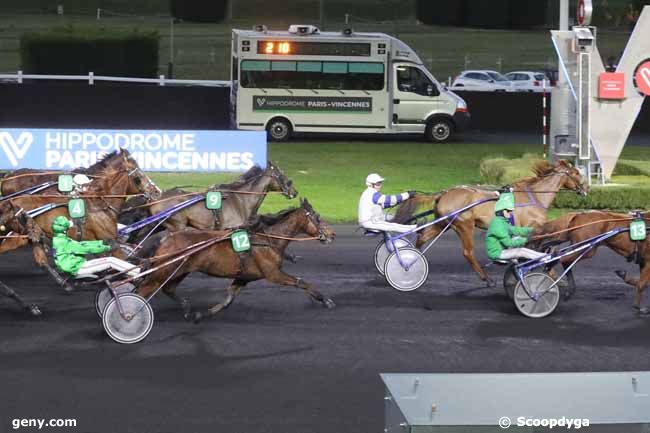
pixel 415 96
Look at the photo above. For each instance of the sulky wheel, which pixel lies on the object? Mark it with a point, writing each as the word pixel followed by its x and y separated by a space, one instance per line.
pixel 104 295
pixel 410 276
pixel 383 250
pixel 539 301
pixel 136 324
pixel 567 284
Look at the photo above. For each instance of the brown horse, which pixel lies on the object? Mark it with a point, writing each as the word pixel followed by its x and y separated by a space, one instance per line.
pixel 269 237
pixel 103 198
pixel 18 224
pixel 23 178
pixel 578 226
pixel 241 200
pixel 533 196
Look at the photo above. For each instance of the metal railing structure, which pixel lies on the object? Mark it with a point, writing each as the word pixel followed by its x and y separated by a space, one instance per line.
pixel 91 78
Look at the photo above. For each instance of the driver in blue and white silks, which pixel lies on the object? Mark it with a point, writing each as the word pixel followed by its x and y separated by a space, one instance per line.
pixel 372 204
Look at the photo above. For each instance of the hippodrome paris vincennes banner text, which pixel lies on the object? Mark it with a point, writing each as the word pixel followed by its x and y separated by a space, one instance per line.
pixel 154 150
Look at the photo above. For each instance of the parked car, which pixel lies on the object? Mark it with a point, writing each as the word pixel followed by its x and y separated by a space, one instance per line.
pixel 528 81
pixel 481 80
pixel 552 73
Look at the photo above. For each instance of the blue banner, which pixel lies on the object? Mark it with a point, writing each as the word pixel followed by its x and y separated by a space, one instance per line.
pixel 154 150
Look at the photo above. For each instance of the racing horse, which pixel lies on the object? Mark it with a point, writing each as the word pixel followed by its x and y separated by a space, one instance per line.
pixel 103 199
pixel 20 226
pixel 241 200
pixel 533 196
pixel 578 226
pixel 269 237
pixel 23 178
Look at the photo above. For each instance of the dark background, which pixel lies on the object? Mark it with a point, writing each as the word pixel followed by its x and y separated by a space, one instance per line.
pixel 128 106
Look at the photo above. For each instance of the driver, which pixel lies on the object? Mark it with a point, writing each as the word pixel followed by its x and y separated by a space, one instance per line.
pixel 69 255
pixel 373 202
pixel 504 240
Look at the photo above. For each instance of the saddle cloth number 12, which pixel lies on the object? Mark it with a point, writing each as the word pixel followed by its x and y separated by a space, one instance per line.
pixel 240 241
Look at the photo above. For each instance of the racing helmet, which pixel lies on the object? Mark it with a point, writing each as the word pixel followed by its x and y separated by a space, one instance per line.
pixel 373 178
pixel 81 179
pixel 506 202
pixel 61 224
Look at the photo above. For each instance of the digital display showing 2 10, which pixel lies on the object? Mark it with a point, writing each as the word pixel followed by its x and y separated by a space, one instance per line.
pixel 294 48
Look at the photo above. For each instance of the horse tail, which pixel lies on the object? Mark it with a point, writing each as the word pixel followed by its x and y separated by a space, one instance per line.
pixel 408 208
pixel 150 246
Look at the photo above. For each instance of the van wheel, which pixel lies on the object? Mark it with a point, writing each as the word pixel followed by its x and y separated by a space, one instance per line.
pixel 439 130
pixel 278 130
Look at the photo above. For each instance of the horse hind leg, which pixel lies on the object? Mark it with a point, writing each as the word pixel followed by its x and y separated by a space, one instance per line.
pixel 10 293
pixel 233 290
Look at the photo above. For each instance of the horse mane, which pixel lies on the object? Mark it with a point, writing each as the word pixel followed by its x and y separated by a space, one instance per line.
pixel 541 169
pixel 260 222
pixel 252 173
pixel 100 165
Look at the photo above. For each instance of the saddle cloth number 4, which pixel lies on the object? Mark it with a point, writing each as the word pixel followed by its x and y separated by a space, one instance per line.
pixel 637 230
pixel 76 208
pixel 240 241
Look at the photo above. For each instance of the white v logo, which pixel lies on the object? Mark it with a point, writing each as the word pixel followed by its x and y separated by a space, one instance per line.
pixel 16 149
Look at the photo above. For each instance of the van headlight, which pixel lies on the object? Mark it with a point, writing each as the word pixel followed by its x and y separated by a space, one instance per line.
pixel 461 105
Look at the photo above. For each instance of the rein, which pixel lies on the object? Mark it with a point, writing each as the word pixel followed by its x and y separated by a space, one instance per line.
pixel 285 238
pixel 199 193
pixel 45 173
pixel 583 225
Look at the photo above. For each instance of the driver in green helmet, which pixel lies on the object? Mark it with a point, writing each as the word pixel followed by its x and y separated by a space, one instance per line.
pixel 69 255
pixel 504 241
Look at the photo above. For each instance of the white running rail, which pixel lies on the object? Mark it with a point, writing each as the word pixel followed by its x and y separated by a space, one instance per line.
pixel 91 78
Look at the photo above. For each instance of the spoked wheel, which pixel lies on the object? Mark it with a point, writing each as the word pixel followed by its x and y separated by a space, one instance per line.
pixel 384 250
pixel 104 295
pixel 567 284
pixel 136 324
pixel 410 276
pixel 540 301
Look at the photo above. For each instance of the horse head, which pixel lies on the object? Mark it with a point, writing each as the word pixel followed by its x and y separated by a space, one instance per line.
pixel 139 182
pixel 316 227
pixel 16 220
pixel 279 181
pixel 572 178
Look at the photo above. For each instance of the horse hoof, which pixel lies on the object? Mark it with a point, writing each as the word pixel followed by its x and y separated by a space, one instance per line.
pixel 490 282
pixel 197 317
pixel 68 288
pixel 644 311
pixel 329 304
pixel 568 294
pixel 35 310
pixel 621 273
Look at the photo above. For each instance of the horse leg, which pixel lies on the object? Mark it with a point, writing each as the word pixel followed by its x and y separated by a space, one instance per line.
pixel 639 285
pixel 465 232
pixel 278 277
pixel 426 234
pixel 10 293
pixel 233 290
pixel 170 290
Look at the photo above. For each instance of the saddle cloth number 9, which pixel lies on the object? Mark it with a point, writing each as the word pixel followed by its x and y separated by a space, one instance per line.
pixel 213 200
pixel 240 241
pixel 637 230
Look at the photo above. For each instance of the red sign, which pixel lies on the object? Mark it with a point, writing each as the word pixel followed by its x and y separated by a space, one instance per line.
pixel 642 77
pixel 611 85
pixel 585 10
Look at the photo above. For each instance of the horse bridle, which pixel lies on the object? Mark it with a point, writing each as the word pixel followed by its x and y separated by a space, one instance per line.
pixel 321 233
pixel 286 186
pixel 149 183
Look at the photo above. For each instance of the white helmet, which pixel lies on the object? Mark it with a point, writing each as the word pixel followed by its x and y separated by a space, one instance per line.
pixel 81 179
pixel 373 178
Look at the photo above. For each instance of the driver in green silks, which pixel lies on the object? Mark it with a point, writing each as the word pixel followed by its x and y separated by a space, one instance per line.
pixel 69 255
pixel 504 241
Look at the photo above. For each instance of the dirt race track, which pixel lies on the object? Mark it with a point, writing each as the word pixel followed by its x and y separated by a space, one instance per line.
pixel 276 362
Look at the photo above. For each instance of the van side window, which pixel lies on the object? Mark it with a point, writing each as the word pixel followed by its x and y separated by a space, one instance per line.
pixel 410 79
pixel 312 75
